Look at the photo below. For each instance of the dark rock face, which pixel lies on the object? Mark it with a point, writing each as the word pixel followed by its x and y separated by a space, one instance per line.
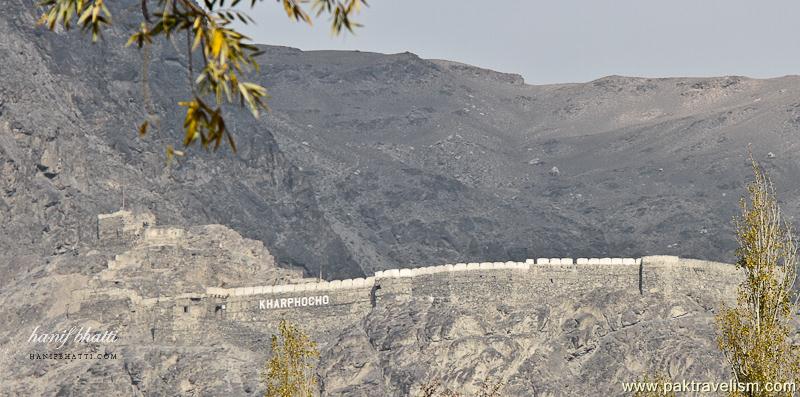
pixel 65 157
pixel 372 161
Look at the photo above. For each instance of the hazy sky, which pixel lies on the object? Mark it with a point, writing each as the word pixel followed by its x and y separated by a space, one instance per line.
pixel 568 40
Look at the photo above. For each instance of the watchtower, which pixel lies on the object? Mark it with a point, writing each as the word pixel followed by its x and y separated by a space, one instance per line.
pixel 123 225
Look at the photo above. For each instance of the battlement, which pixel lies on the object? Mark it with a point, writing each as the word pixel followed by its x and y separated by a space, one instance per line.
pixel 601 265
pixel 528 283
pixel 123 225
pixel 597 265
pixel 163 235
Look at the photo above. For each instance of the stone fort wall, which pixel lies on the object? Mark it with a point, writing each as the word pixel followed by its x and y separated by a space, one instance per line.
pixel 652 274
pixel 325 307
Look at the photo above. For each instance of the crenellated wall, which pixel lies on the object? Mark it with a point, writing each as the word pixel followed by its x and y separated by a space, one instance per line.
pixel 368 283
pixel 123 225
pixel 329 306
pixel 162 235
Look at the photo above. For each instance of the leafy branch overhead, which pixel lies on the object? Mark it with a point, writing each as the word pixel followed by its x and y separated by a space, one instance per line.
pixel 227 55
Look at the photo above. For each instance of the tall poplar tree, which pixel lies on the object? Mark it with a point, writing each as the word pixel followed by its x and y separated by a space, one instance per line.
pixel 290 370
pixel 755 334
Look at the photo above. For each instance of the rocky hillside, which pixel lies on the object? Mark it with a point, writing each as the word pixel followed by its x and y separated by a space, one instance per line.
pixel 552 328
pixel 369 161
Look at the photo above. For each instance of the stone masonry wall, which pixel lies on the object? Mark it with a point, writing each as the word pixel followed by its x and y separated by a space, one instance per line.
pixel 330 306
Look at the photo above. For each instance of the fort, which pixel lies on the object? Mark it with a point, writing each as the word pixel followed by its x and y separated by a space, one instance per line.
pixel 326 307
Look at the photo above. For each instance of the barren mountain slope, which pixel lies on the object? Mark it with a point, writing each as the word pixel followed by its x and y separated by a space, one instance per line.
pixel 387 160
pixel 419 161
